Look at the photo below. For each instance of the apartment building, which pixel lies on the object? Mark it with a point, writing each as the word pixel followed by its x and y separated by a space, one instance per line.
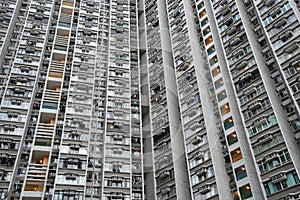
pixel 249 80
pixel 169 162
pixel 70 104
pixel 133 99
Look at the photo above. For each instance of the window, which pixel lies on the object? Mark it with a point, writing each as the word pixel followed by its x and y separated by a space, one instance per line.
pixel 246 192
pixel 197 142
pixel 240 172
pixel 295 87
pixel 295 124
pixel 202 174
pixel 225 38
pixel 262 124
pixel 256 92
pixel 3 193
pixel 21 51
pixel 254 21
pixel 110 103
pixel 216 71
pixel 236 155
pixel 164 176
pixel 208 40
pixel 277 13
pixel 290 71
pixel 236 195
pixel 206 31
pixel 200 5
pixel 219 83
pixel 206 192
pixel 225 109
pixel 281 181
pixel 228 123
pixel 211 50
pixel 199 158
pixel 204 22
pixel 202 14
pixel 164 161
pixel 273 160
pixel 213 60
pixel 232 138
pixel 117 182
pixel 222 95
pixel 223 28
pixel 267 142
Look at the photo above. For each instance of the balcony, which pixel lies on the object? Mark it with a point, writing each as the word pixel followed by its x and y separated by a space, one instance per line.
pixel 291 48
pixel 242 65
pixel 196 140
pixel 61 40
pixel 165 190
pixel 71 176
pixel 68 3
pixel 228 21
pixel 199 155
pixel 7 159
pixel 52 92
pixel 276 11
pixel 235 41
pixel 231 30
pixel 196 125
pixel 66 18
pixel 12 116
pixel 34 188
pixel 164 174
pixel 36 176
pixel 268 2
pixel 117 151
pixel 278 178
pixel 183 66
pixel 260 121
pixel 280 23
pixel 285 35
pixel 193 112
pixel 45 131
pixel 225 10
pixel 56 69
pixel 37 172
pixel 204 189
pixel 245 77
pixel 201 171
pixel 161 134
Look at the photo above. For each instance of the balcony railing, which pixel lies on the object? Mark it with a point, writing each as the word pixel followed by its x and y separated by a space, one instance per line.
pixel 45 130
pixel 51 95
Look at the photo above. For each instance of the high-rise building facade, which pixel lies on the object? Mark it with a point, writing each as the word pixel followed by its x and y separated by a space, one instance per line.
pixel 257 96
pixel 133 99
